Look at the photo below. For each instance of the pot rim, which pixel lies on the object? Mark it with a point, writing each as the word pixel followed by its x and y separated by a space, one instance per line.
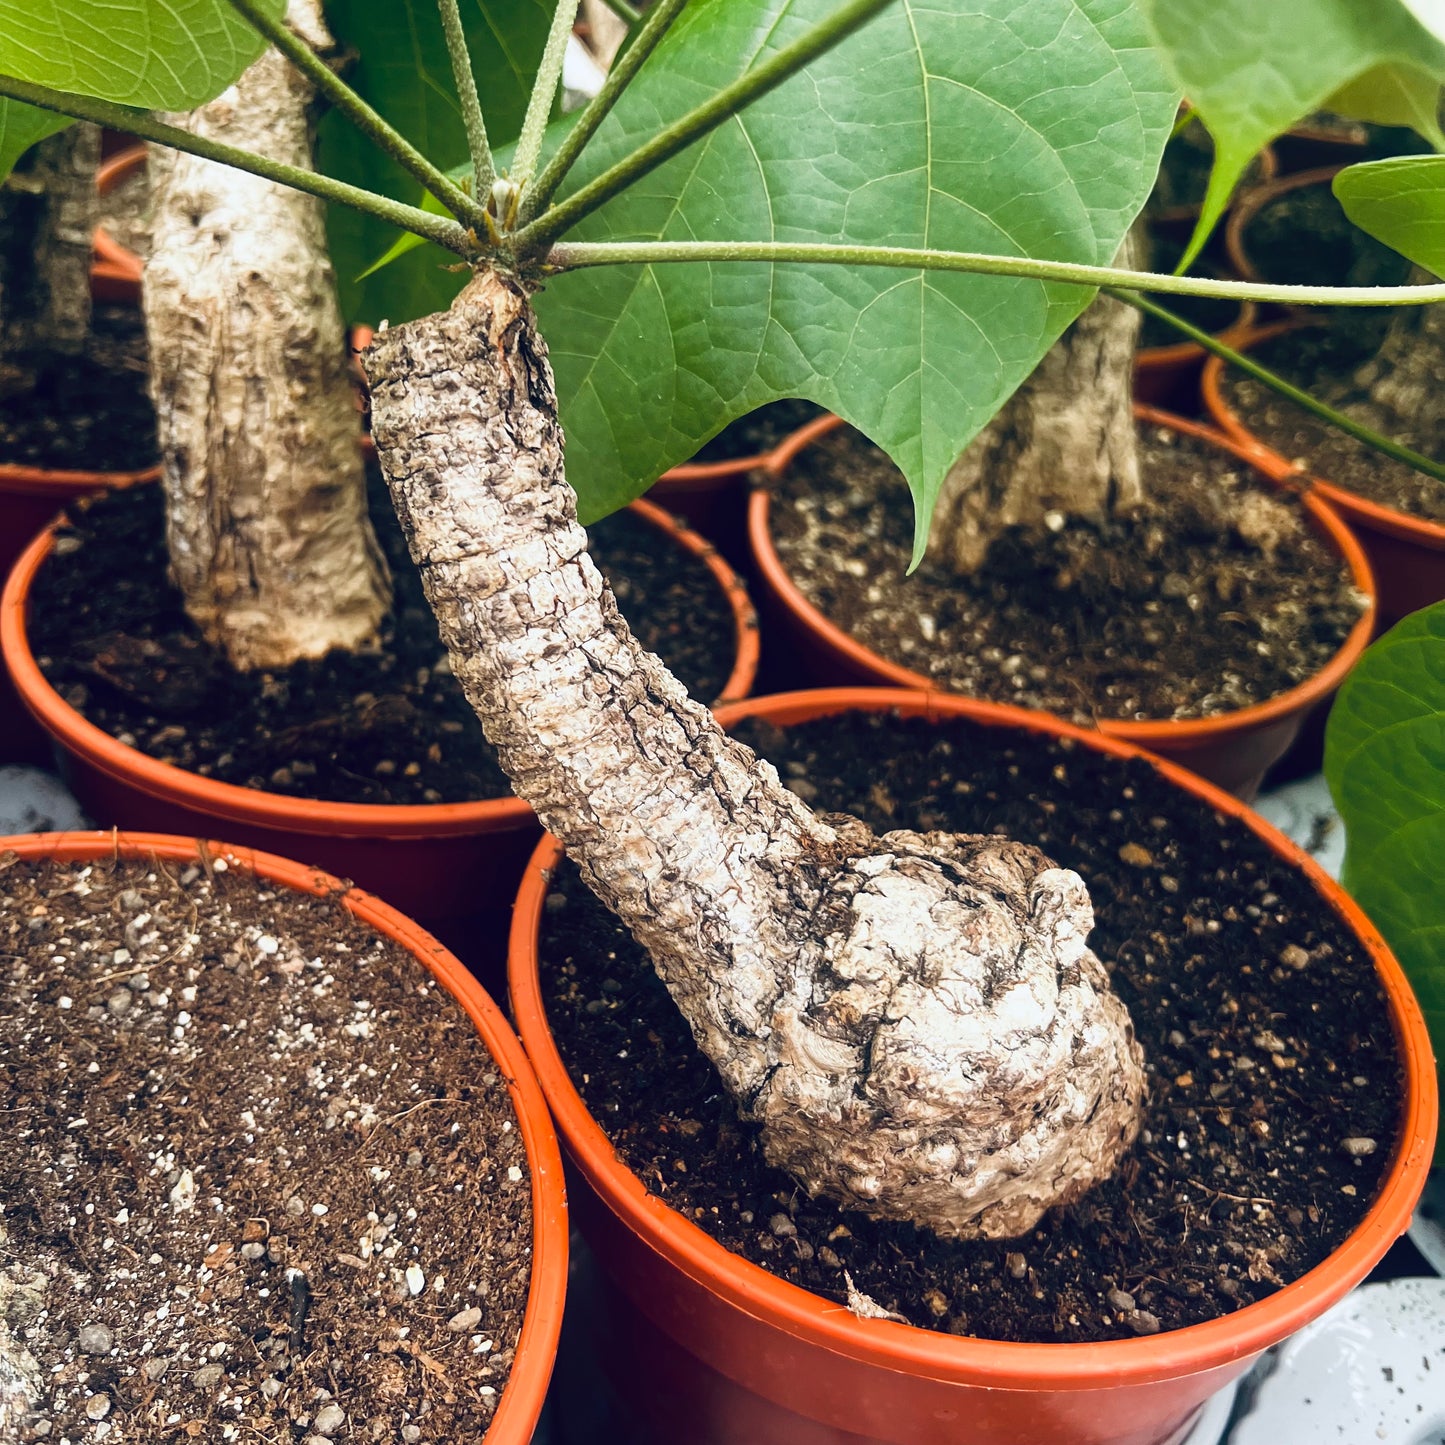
pixel 526 1388
pixel 231 803
pixel 999 1364
pixel 1362 510
pixel 1187 732
pixel 1254 200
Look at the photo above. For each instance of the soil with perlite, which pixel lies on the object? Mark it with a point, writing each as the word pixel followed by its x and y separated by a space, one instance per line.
pixel 264 1183
pixel 1274 1086
pixel 1218 595
pixel 383 726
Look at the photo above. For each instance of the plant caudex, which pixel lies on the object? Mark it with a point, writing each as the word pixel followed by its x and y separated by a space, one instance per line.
pixel 915 1020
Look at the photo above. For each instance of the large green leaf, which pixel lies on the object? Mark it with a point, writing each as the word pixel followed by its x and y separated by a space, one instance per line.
pixel 404 71
pixel 1385 761
pixel 1400 202
pixel 20 127
pixel 1253 69
pixel 1393 95
pixel 157 54
pixel 1032 130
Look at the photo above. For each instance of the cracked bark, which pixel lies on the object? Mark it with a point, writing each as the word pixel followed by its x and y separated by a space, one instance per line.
pixel 265 487
pixel 48 212
pixel 914 1020
pixel 1063 444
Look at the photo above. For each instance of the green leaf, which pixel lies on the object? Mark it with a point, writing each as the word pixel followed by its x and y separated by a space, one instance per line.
pixel 1385 762
pixel 1401 202
pixel 20 127
pixel 1398 95
pixel 1255 69
pixel 1033 130
pixel 404 71
pixel 156 54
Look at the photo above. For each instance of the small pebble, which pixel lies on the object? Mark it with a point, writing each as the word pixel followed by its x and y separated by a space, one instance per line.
pixel 254 1250
pixel 294 1205
pixel 120 1001
pixel 1017 1265
pixel 415 1279
pixel 1144 1323
pixel 1136 855
pixel 329 1419
pixel 465 1320
pixel 1293 956
pixel 95 1339
pixel 208 1377
pixel 155 1368
pixel 1359 1146
pixel 411 1434
pixel 97 1407
pixel 782 1226
pixel 1119 1300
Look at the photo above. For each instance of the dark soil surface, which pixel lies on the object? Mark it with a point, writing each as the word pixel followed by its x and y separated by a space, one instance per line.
pixel 1274 1085
pixel 759 431
pixel 86 413
pixel 390 726
pixel 264 1181
pixel 1218 597
pixel 1322 359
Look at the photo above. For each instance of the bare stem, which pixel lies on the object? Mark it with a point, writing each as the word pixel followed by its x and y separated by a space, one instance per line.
pixel 441 229
pixel 484 170
pixel 659 19
pixel 373 126
pixel 1275 382
pixel 534 238
pixel 544 93
pixel 574 254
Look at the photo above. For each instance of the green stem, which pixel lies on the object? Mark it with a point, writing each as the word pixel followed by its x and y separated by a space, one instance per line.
pixel 441 229
pixel 544 93
pixel 534 238
pixel 1311 404
pixel 624 10
pixel 659 18
pixel 484 170
pixel 373 126
pixel 573 254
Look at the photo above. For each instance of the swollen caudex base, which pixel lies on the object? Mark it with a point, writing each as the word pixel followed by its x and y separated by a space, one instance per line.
pixel 914 1020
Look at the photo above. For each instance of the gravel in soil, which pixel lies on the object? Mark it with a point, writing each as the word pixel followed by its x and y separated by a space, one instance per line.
pixel 389 726
pixel 265 1183
pixel 758 432
pixel 1273 1079
pixel 1218 596
pixel 83 413
pixel 1324 359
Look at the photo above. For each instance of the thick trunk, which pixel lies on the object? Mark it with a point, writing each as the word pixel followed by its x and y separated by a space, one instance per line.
pixel 260 438
pixel 1062 446
pixel 914 1020
pixel 606 30
pixel 48 211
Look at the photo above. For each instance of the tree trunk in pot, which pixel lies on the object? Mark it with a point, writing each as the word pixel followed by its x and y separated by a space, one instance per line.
pixel 914 1020
pixel 48 212
pixel 265 486
pixel 1062 446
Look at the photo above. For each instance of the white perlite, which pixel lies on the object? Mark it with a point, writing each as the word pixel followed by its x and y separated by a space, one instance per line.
pixel 915 1020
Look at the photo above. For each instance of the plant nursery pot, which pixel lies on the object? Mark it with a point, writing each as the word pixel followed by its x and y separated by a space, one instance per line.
pixel 1168 376
pixel 1233 751
pixel 453 866
pixel 1406 554
pixel 737 1356
pixel 521 1402
pixel 29 498
pixel 115 271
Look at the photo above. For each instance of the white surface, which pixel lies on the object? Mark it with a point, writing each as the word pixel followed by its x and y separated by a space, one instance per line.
pixel 1304 812
pixel 35 802
pixel 1209 1429
pixel 1370 1372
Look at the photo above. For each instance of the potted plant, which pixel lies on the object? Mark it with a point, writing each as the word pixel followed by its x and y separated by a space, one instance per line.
pixel 311 1177
pixel 783 933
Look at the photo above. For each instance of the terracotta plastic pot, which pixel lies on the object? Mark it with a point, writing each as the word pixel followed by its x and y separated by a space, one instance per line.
pixel 1407 554
pixel 1168 376
pixel 453 866
pixel 115 271
pixel 745 1358
pixel 521 1402
pixel 1234 750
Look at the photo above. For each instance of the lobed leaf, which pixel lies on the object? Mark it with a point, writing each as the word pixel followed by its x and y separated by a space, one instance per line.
pixel 1385 762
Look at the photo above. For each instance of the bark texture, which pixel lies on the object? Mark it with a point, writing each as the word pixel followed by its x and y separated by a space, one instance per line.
pixel 48 212
pixel 22 1301
pixel 260 437
pixel 1062 446
pixel 915 1020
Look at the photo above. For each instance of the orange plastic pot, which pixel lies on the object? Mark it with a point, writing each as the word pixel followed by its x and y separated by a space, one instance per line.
pixel 29 499
pixel 1406 553
pixel 1233 751
pixel 454 866
pixel 736 1356
pixel 521 1403
pixel 1168 376
pixel 115 270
